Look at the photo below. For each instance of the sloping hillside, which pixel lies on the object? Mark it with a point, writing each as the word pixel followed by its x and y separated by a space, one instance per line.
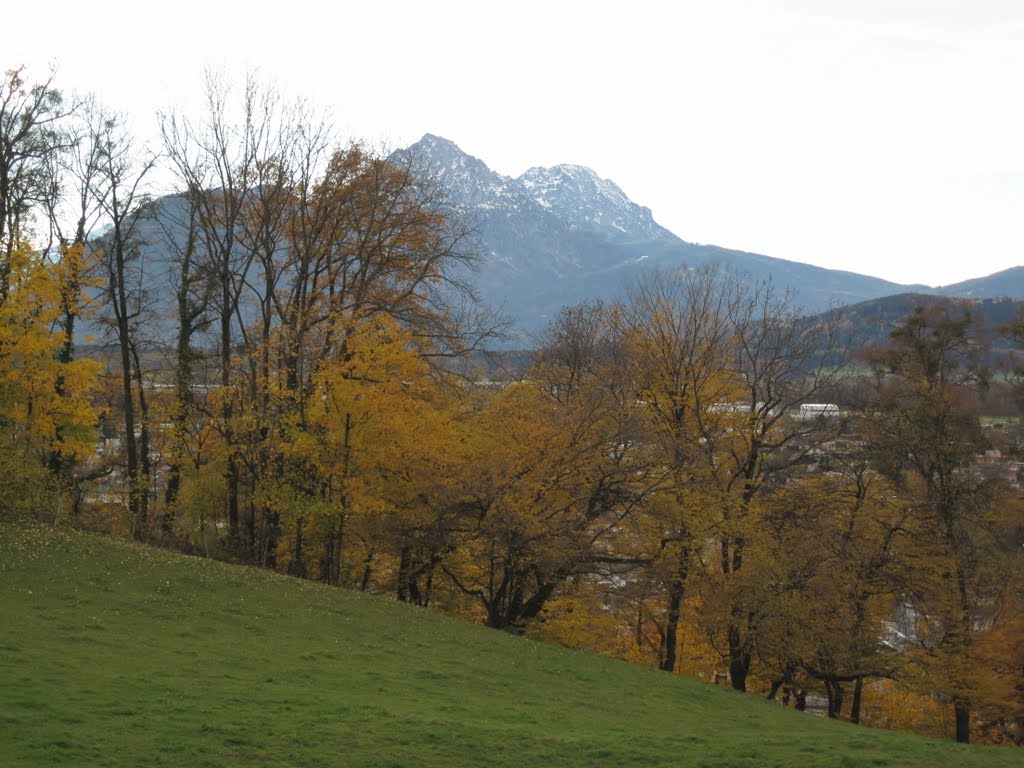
pixel 119 655
pixel 870 323
pixel 1008 282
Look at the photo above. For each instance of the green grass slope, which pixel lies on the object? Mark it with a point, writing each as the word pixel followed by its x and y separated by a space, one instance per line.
pixel 117 655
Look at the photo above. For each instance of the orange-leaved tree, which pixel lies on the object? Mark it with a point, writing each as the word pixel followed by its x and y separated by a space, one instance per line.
pixel 924 425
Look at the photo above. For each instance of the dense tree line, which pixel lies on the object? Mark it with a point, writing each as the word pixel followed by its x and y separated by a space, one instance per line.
pixel 305 396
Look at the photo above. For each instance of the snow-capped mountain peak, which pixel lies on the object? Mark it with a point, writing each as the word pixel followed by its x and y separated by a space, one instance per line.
pixel 555 236
pixel 578 195
pixel 573 194
pixel 468 181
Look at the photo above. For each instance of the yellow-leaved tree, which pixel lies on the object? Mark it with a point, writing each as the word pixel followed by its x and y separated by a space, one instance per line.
pixel 350 457
pixel 44 405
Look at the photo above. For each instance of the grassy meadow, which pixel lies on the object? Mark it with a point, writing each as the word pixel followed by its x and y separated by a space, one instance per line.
pixel 121 655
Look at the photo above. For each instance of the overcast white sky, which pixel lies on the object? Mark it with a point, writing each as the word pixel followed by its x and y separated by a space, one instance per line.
pixel 880 136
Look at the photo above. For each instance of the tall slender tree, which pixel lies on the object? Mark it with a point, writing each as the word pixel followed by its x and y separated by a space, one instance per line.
pixel 119 181
pixel 925 426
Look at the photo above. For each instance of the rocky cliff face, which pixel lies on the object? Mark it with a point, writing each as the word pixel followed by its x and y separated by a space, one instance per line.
pixel 563 222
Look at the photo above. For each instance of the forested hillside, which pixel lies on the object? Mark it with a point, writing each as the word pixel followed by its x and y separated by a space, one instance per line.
pixel 692 477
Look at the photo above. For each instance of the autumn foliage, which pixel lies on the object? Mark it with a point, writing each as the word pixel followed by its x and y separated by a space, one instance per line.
pixel 647 485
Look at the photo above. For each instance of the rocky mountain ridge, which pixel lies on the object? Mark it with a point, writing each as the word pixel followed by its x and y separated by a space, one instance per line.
pixel 548 238
pixel 554 236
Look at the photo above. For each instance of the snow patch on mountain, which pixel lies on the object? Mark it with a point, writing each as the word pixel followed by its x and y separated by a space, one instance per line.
pixel 581 197
pixel 573 194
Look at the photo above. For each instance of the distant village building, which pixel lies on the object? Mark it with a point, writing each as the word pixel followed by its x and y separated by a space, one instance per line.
pixel 814 410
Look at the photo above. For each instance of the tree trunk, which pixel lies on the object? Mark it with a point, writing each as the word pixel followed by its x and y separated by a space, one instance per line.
pixel 188 315
pixel 403 575
pixel 962 716
pixel 251 549
pixel 336 539
pixel 675 601
pixel 364 583
pixel 834 690
pixel 273 535
pixel 297 567
pixel 739 659
pixel 675 605
pixel 119 299
pixel 70 296
pixel 232 471
pixel 232 479
pixel 428 589
pixel 858 689
pixel 145 468
pixel 331 571
pixel 801 700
